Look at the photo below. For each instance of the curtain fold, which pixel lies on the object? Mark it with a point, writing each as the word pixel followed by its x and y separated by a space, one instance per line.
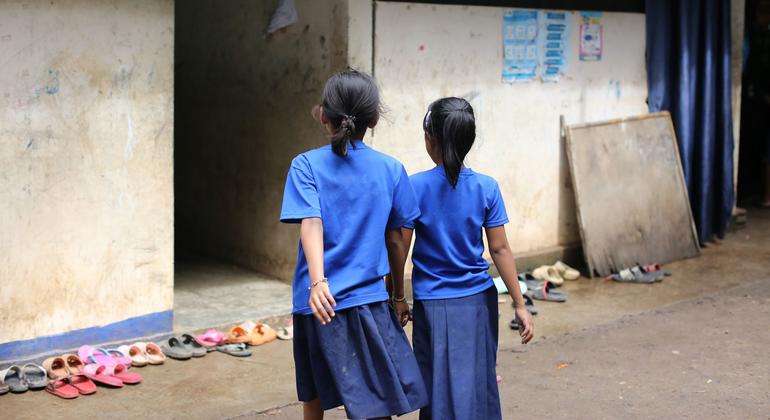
pixel 689 75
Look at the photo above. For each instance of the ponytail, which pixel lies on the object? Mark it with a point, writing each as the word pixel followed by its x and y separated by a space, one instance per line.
pixel 351 103
pixel 343 135
pixel 451 122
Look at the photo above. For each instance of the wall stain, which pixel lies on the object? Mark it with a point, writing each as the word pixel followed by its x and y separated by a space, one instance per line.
pixel 52 85
pixel 49 83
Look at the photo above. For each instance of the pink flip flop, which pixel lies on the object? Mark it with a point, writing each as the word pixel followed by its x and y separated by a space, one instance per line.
pixel 90 354
pixel 211 339
pixel 98 373
pixel 121 372
pixel 119 357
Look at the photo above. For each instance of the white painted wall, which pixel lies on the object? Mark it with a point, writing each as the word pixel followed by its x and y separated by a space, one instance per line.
pixel 424 52
pixel 86 196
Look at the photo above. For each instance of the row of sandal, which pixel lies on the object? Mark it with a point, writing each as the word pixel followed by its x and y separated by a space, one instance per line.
pixel 71 375
pixel 67 376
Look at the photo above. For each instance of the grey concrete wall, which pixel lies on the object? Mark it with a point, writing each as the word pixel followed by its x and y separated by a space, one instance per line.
pixel 243 106
pixel 86 110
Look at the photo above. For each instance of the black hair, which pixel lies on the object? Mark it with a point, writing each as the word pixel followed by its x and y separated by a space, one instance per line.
pixel 351 103
pixel 450 122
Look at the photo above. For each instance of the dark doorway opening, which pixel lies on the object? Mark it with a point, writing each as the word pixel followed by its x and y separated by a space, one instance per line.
pixel 754 152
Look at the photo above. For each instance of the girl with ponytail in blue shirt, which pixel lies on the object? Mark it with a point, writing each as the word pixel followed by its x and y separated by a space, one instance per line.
pixel 349 348
pixel 455 310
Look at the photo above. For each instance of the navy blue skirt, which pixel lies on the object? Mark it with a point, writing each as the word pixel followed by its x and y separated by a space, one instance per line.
pixel 455 341
pixel 361 360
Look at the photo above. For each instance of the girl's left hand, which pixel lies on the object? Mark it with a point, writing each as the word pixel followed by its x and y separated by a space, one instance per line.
pixel 526 326
pixel 403 313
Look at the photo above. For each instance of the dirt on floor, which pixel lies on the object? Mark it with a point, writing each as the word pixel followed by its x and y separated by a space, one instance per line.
pixel 694 346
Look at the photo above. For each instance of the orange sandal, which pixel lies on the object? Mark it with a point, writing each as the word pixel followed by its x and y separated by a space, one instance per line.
pixel 237 335
pixel 261 334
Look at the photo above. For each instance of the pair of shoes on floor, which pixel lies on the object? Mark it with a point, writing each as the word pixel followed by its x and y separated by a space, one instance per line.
pixel 109 367
pixel 68 377
pixel 251 333
pixel 542 289
pixel 101 356
pixel 556 273
pixel 183 347
pixel 142 354
pixel 19 379
pixel 649 274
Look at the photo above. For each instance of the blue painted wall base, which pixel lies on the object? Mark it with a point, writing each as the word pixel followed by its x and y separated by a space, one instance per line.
pixel 142 326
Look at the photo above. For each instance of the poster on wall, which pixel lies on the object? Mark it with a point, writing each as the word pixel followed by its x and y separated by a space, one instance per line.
pixel 555 34
pixel 591 36
pixel 520 53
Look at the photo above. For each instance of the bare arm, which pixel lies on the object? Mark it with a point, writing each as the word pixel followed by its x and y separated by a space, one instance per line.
pixel 397 242
pixel 506 265
pixel 312 238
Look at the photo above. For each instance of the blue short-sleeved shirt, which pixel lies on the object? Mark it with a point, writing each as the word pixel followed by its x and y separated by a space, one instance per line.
pixel 357 198
pixel 448 249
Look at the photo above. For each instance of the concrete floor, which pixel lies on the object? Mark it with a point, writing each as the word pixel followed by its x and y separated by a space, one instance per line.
pixel 692 346
pixel 210 293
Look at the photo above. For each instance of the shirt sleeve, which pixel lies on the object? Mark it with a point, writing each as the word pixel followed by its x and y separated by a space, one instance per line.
pixel 300 196
pixel 404 209
pixel 496 214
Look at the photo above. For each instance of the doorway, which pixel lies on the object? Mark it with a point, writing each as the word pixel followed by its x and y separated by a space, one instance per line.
pixel 232 255
pixel 243 102
pixel 754 152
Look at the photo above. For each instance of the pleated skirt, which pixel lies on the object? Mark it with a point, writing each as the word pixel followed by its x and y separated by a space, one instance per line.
pixel 361 360
pixel 455 342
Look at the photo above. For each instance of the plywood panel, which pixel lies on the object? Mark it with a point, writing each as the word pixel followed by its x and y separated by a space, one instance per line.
pixel 630 192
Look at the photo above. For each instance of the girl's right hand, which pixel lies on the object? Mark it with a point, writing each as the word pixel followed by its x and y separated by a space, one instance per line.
pixel 322 303
pixel 403 313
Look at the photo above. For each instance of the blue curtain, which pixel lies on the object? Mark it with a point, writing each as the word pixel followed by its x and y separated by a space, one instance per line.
pixel 688 72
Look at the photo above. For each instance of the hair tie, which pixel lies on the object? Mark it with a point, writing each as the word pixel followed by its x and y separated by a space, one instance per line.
pixel 347 124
